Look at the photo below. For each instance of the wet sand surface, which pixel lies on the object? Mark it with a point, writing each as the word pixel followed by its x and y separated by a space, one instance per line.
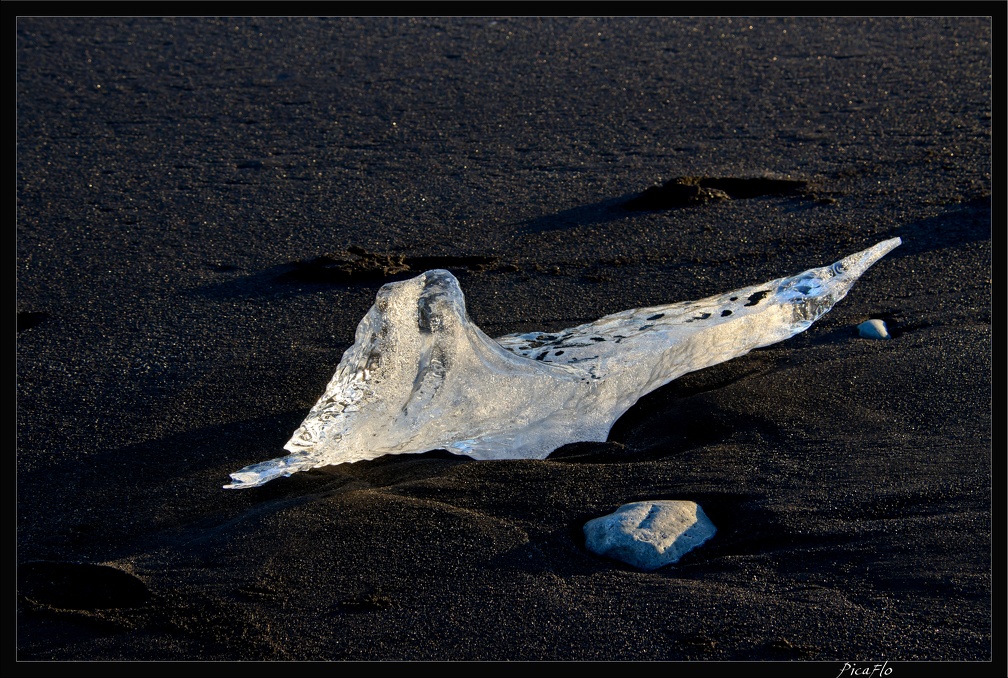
pixel 206 209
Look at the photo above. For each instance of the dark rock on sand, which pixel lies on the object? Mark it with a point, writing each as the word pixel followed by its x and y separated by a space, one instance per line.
pixel 693 191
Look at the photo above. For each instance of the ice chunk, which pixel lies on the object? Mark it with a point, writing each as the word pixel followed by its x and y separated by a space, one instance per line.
pixel 421 376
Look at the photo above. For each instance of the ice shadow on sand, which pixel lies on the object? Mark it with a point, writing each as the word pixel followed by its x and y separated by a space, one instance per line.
pixel 966 222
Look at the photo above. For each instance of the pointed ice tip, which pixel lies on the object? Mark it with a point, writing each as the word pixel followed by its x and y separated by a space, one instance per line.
pixel 857 263
pixel 242 480
pixel 239 482
pixel 263 472
pixel 885 247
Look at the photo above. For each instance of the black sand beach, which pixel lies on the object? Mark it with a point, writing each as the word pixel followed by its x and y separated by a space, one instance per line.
pixel 207 207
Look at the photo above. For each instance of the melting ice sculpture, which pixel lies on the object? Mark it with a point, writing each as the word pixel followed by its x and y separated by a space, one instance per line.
pixel 421 376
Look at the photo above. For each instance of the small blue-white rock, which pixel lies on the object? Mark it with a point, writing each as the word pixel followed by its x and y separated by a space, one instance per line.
pixel 649 534
pixel 873 329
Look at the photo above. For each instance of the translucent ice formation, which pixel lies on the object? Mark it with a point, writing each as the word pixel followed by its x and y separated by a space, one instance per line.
pixel 421 376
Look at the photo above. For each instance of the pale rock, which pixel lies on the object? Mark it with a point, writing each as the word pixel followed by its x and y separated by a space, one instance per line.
pixel 873 329
pixel 649 534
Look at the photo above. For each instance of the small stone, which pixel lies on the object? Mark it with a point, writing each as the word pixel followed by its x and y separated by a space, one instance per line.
pixel 873 329
pixel 649 534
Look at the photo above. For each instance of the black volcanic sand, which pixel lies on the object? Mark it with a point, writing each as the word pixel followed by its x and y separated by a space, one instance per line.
pixel 206 209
